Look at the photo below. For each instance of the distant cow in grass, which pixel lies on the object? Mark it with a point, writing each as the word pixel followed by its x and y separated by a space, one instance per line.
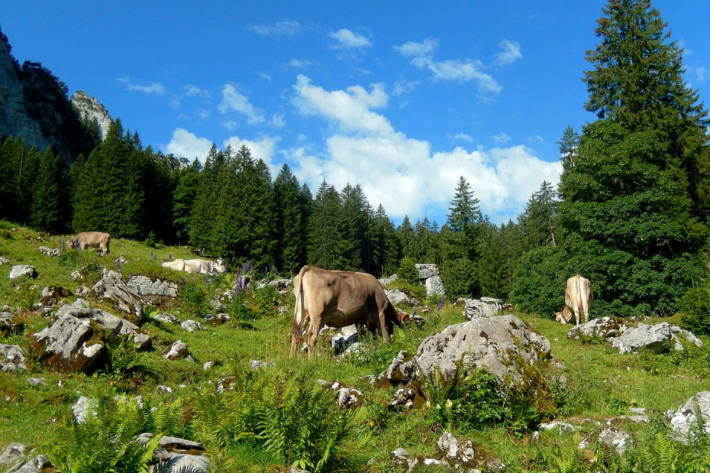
pixel 97 239
pixel 565 316
pixel 578 295
pixel 338 299
pixel 196 266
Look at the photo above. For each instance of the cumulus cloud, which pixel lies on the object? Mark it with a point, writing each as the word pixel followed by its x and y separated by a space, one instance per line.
pixel 299 63
pixel 403 87
pixel 404 174
pixel 501 138
pixel 459 70
pixel 152 88
pixel 265 76
pixel 462 137
pixel 233 101
pixel 510 52
pixel 260 149
pixel 194 91
pixel 187 145
pixel 347 39
pixel 278 120
pixel 282 28
pixel 417 49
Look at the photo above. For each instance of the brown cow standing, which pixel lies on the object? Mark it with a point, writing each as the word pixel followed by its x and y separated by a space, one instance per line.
pixel 98 239
pixel 338 299
pixel 578 294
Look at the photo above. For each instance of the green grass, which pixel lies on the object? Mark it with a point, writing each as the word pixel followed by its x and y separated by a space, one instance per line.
pixel 600 382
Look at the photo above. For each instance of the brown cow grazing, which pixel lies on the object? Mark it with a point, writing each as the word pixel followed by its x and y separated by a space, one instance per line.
pixel 563 317
pixel 338 299
pixel 98 239
pixel 578 294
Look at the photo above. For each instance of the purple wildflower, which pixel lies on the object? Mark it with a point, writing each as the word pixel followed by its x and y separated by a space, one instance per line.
pixel 170 256
pixel 118 264
pixel 182 281
pixel 438 307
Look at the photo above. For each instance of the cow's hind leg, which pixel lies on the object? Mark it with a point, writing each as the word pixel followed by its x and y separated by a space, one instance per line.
pixel 313 331
pixel 383 325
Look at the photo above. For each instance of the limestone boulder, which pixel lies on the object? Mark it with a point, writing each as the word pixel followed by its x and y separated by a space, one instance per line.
pixel 427 270
pixel 66 345
pixel 3 260
pixel 178 351
pixel 281 285
pixel 155 292
pixel 401 370
pixel 166 318
pixel 684 420
pixel 192 326
pixel 434 286
pixel 177 455
pixel 481 308
pixel 38 464
pixel 658 338
pixel 52 252
pixel 344 338
pixel 496 344
pixel 22 270
pixel 112 288
pixel 615 438
pixel 388 280
pixel 602 328
pixel 12 455
pixel 397 297
pixel 12 358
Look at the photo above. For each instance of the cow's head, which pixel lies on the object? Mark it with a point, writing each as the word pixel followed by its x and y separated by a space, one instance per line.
pixel 73 243
pixel 402 317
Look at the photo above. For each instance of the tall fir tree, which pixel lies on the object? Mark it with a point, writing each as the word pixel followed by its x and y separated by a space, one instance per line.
pixel 538 222
pixel 289 216
pixel 569 143
pixel 183 198
pixel 326 239
pixel 46 212
pixel 464 209
pixel 637 192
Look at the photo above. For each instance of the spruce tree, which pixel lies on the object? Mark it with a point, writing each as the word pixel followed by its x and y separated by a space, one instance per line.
pixel 464 209
pixel 183 198
pixel 538 221
pixel 407 239
pixel 637 192
pixel 289 217
pixel 568 147
pixel 46 212
pixel 326 239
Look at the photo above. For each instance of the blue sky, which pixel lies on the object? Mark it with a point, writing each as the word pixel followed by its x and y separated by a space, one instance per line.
pixel 400 97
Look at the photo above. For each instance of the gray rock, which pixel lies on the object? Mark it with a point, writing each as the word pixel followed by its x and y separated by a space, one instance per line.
pixel 192 326
pixel 112 288
pixel 83 408
pixel 53 252
pixel 658 338
pixel 177 462
pixel 388 280
pixel 427 270
pixel 684 420
pixel 22 270
pixel 403 398
pixel 397 297
pixel 12 454
pixel 208 365
pixel 217 319
pixel 481 308
pixel 349 398
pixel 178 350
pixel 400 453
pixel 402 369
pixel 76 276
pixel 36 381
pixel 161 388
pixel 82 291
pixel 12 358
pixel 603 327
pixel 258 364
pixel 434 286
pixel 3 260
pixel 494 344
pixel 166 318
pixel 615 438
pixel 455 452
pixel 353 349
pixel 154 291
pixel 64 346
pixel 280 284
pixel 90 110
pixel 36 465
pixel 342 340
pixel 559 426
pixel 9 323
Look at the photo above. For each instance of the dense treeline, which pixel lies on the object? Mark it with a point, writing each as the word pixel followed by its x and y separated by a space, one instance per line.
pixel 630 212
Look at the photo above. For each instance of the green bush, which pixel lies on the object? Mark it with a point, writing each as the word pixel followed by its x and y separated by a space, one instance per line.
pixel 408 271
pixel 460 278
pixel 415 290
pixel 194 300
pixel 695 310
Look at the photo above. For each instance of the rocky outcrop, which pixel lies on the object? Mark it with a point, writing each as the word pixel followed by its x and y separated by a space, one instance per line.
pixel 615 438
pixel 192 326
pixel 281 285
pixel 601 328
pixel 178 351
pixel 401 370
pixel 38 464
pixel 343 339
pixel 166 318
pixel 156 291
pixel 388 280
pixel 497 345
pixel 12 358
pixel 90 110
pixel 684 420
pixel 397 297
pixel 12 455
pixel 52 252
pixel 658 338
pixel 176 454
pixel 22 270
pixel 112 288
pixel 429 276
pixel 481 308
pixel 75 340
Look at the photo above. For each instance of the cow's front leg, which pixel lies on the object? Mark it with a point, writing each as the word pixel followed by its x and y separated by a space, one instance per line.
pixel 313 332
pixel 383 326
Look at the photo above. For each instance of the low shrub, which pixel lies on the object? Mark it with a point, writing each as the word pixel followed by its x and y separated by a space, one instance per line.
pixel 194 300
pixel 695 310
pixel 415 290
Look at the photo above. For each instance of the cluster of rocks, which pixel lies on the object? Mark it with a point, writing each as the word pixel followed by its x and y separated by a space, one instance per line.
pixel 461 455
pixel 75 339
pixel 153 291
pixel 658 338
pixel 52 252
pixel 429 277
pixel 282 285
pixel 12 358
pixel 684 421
pixel 346 397
pixel 480 308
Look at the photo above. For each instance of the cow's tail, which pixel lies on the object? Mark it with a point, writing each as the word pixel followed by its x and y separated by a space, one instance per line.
pixel 299 313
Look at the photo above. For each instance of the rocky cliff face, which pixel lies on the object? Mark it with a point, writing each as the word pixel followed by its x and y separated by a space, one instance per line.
pixel 14 118
pixel 35 107
pixel 91 110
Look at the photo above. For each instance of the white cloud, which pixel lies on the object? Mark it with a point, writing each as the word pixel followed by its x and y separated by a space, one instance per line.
pixel 152 88
pixel 299 63
pixel 261 149
pixel 536 139
pixel 187 145
pixel 404 174
pixel 282 28
pixel 203 113
pixel 417 49
pixel 233 101
pixel 346 39
pixel 278 120
pixel 460 70
pixel 403 87
pixel 501 138
pixel 265 76
pixel 510 52
pixel 349 109
pixel 194 91
pixel 462 137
